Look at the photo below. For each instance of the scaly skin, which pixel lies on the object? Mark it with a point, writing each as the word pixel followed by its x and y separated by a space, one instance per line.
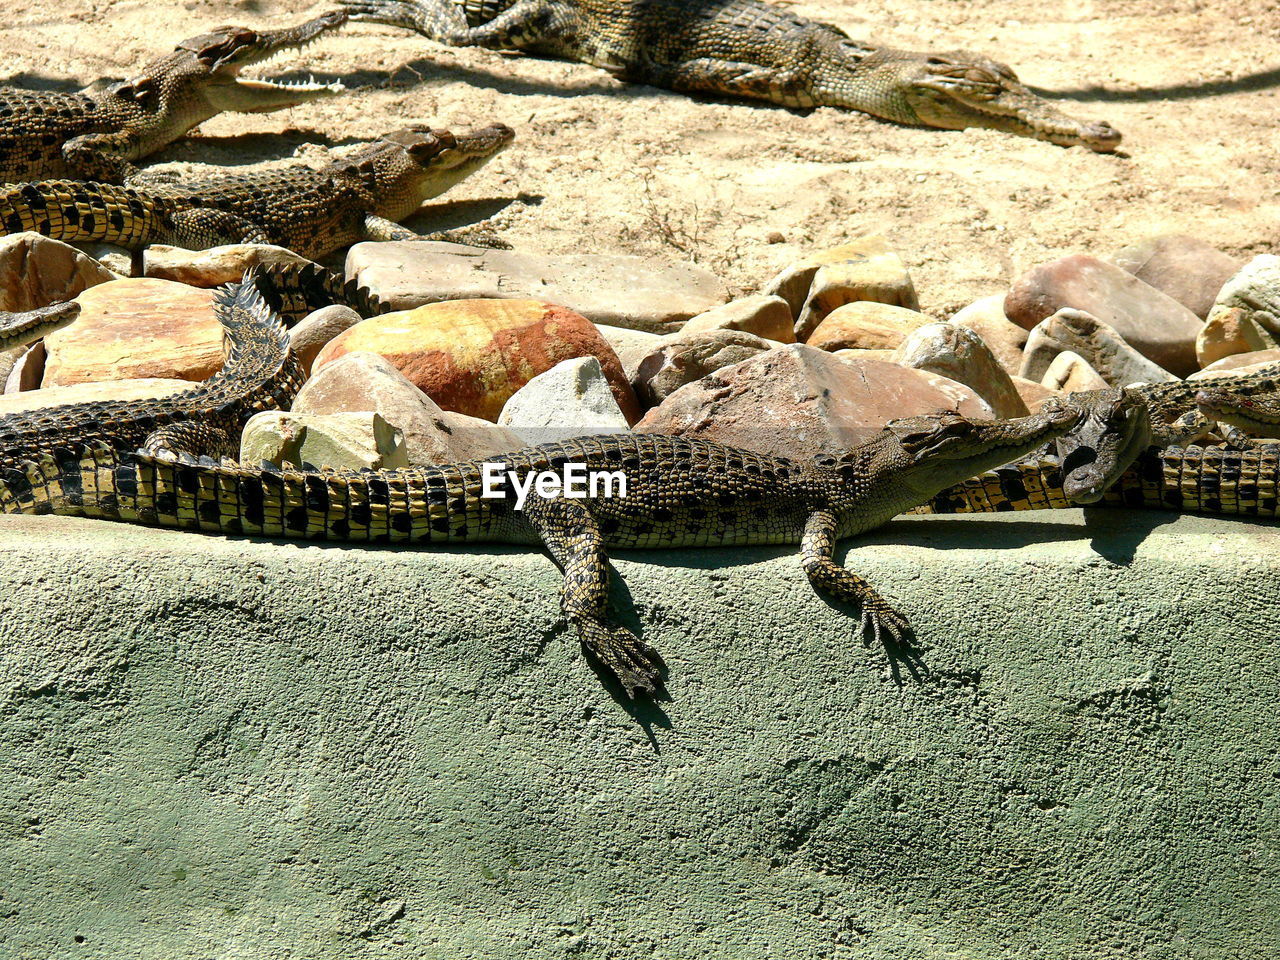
pixel 749 48
pixel 98 135
pixel 17 329
pixel 259 374
pixel 679 493
pixel 1120 423
pixel 312 212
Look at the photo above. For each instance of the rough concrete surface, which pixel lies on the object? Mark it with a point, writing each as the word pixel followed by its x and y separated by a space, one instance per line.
pixel 224 748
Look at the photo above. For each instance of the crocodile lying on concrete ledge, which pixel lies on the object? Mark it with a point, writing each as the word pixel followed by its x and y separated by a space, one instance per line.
pixel 753 49
pixel 96 135
pixel 310 211
pixel 679 492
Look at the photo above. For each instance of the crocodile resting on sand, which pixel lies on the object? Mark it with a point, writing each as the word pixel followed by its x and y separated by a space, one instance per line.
pixel 97 134
pixel 310 211
pixel 752 49
pixel 679 492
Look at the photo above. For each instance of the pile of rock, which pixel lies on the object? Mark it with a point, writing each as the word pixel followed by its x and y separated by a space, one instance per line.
pixel 492 350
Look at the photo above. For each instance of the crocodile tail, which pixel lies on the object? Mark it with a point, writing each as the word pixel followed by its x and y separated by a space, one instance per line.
pixel 74 210
pixel 260 371
pixel 295 289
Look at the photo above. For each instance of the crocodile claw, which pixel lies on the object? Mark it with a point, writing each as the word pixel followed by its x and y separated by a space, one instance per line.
pixel 637 665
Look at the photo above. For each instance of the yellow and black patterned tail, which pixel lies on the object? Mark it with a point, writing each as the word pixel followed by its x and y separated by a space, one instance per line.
pixel 74 210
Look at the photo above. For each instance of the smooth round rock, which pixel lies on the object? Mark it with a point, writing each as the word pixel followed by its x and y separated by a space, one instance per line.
pixel 866 325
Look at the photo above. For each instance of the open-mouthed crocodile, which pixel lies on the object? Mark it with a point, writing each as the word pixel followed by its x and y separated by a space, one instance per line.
pixel 753 49
pixel 309 211
pixel 259 373
pixel 98 134
pixel 666 492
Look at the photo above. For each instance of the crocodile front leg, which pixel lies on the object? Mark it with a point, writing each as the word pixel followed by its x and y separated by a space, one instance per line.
pixel 204 227
pixel 475 234
pixel 100 157
pixel 817 549
pixel 574 541
pixel 782 86
pixel 191 437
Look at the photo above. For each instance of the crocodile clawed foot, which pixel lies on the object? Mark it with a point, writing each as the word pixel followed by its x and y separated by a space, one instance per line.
pixel 637 665
pixel 883 624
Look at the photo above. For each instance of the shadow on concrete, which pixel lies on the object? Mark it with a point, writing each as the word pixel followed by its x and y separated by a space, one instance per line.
pixel 1251 83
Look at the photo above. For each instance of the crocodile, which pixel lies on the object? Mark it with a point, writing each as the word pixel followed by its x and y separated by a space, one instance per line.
pixel 310 211
pixel 1214 479
pixel 259 373
pixel 677 492
pixel 98 134
pixel 24 326
pixel 751 49
pixel 1121 422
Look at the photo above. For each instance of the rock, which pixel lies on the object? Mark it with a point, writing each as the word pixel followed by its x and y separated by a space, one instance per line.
pixel 350 441
pixel 572 399
pixel 959 354
pixel 636 292
pixel 1159 327
pixel 1228 331
pixel 8 358
pixel 27 369
pixel 312 332
pixel 1182 267
pixel 472 355
pixel 798 401
pixel 685 357
pixel 364 381
pixel 765 316
pixel 1069 372
pixel 1100 346
pixel 866 325
pixel 137 328
pixel 865 269
pixel 36 271
pixel 117 259
pixel 1033 394
pixel 631 346
pixel 214 266
pixel 1239 363
pixel 855 354
pixel 986 318
pixel 143 389
pixel 1256 290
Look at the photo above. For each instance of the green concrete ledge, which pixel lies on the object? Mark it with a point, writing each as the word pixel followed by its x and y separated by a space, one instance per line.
pixel 237 749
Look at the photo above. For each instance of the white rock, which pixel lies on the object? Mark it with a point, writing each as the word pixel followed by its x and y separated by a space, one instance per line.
pixel 572 399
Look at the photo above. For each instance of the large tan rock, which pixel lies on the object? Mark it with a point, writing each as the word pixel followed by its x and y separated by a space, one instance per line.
pixel 364 381
pixel 798 401
pixel 768 317
pixel 143 389
pixel 1070 373
pixel 1102 347
pixel 344 441
pixel 1231 330
pixel 572 399
pixel 472 355
pixel 986 318
pixel 1033 394
pixel 865 269
pixel 1239 363
pixel 686 357
pixel 1159 327
pixel 866 325
pixel 214 266
pixel 135 328
pixel 310 334
pixel 1185 268
pixel 959 354
pixel 643 293
pixel 27 369
pixel 36 271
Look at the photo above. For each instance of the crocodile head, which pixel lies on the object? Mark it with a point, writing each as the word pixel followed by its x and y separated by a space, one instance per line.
pixel 913 459
pixel 1115 427
pixel 1254 415
pixel 201 78
pixel 961 89
pixel 415 163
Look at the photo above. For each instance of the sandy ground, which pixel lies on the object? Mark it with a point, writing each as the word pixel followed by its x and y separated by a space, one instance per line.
pixel 600 166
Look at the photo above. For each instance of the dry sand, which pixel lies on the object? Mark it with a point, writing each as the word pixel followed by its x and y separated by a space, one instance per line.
pixel 600 166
